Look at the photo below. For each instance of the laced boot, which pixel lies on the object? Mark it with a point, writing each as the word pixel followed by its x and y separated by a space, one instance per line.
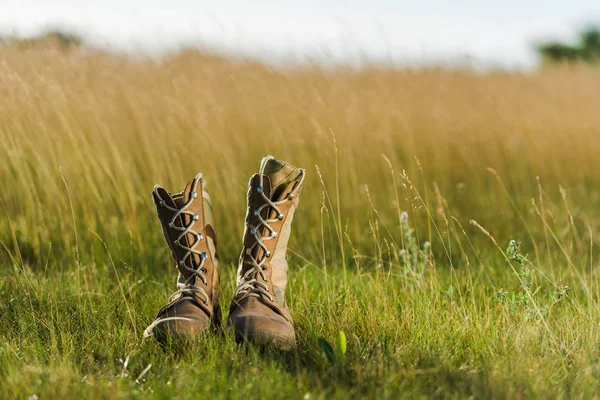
pixel 188 226
pixel 259 312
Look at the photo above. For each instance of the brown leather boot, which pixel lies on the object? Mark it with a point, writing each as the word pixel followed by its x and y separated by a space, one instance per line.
pixel 259 312
pixel 188 226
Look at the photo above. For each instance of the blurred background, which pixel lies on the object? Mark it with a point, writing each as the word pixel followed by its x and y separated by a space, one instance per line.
pixel 481 34
pixel 463 86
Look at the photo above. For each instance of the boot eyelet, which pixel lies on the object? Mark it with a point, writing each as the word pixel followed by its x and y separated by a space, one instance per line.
pixel 280 217
pixel 273 234
pixel 290 197
pixel 257 212
pixel 161 203
pixel 193 195
pixel 171 224
pixel 199 237
pixel 196 217
pixel 182 263
pixel 253 231
pixel 259 189
pixel 268 254
pixel 203 255
pixel 248 252
pixel 176 242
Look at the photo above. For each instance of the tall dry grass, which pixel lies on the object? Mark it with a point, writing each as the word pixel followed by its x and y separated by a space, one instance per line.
pixel 117 126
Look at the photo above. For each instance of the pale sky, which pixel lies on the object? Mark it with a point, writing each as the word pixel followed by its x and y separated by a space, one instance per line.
pixel 406 32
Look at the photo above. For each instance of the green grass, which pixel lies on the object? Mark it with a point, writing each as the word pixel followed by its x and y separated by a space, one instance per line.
pixel 417 181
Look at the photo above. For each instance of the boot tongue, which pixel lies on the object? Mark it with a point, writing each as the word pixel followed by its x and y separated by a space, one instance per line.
pixel 182 197
pixel 280 175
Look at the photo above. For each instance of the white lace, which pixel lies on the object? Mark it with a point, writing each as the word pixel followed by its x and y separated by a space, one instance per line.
pixel 186 286
pixel 250 284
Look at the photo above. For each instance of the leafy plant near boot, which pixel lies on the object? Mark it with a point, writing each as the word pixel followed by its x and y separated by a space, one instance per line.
pixel 414 258
pixel 529 298
pixel 334 356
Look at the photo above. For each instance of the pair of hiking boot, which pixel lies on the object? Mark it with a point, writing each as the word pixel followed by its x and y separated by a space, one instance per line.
pixel 258 311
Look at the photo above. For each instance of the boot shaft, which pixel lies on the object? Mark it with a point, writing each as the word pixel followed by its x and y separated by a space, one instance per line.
pixel 273 196
pixel 188 227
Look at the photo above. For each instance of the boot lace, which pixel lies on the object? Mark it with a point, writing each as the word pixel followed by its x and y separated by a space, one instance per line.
pixel 249 282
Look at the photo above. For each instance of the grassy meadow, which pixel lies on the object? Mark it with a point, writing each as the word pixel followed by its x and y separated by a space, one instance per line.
pixel 417 182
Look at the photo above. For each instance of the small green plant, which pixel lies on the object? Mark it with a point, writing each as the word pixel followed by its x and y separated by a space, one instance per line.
pixel 335 357
pixel 525 294
pixel 525 298
pixel 414 258
pixel 512 252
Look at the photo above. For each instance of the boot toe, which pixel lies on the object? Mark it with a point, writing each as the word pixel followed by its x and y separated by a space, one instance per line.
pixel 262 329
pixel 178 329
pixel 180 323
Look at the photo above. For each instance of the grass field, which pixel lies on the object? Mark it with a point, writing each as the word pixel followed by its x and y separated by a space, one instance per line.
pixel 417 181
